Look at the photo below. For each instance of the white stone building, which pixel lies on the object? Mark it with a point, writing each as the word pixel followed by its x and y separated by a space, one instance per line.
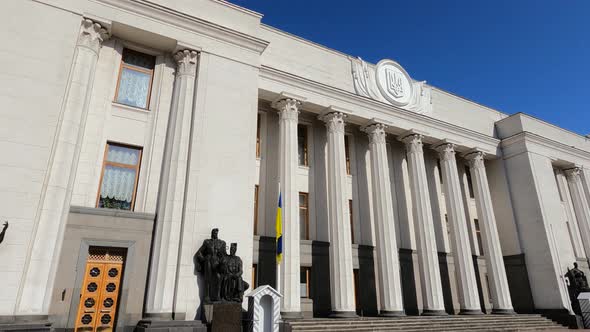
pixel 130 128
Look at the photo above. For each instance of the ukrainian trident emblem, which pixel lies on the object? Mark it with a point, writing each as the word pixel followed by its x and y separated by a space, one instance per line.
pixel 394 83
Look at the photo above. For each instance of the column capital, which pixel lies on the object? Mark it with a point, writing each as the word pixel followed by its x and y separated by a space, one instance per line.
pixel 186 61
pixel 446 151
pixel 413 143
pixel 92 35
pixel 334 121
pixel 376 132
pixel 288 108
pixel 573 173
pixel 476 159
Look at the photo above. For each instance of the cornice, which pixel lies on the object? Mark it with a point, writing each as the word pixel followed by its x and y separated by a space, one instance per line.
pixel 173 17
pixel 385 112
pixel 526 137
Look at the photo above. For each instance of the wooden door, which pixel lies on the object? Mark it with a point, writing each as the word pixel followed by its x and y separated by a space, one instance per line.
pixel 99 294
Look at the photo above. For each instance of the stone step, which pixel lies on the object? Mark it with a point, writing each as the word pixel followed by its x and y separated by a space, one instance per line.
pixel 423 327
pixel 417 322
pixel 426 324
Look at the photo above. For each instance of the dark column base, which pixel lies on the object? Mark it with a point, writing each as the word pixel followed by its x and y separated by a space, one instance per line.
pixel 470 312
pixel 343 314
pixel 388 313
pixel 503 312
pixel 29 327
pixel 290 315
pixel 427 312
pixel 149 325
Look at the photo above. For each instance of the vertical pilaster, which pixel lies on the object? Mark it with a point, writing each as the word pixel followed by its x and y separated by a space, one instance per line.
pixel 390 290
pixel 170 209
pixel 581 207
pixel 341 270
pixel 426 243
pixel 502 303
pixel 290 267
pixel 37 283
pixel 468 293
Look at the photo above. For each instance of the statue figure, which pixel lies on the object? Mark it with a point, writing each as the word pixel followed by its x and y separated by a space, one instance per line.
pixel 3 231
pixel 233 286
pixel 577 284
pixel 207 261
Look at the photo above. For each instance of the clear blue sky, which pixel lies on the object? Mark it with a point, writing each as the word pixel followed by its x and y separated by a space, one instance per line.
pixel 515 56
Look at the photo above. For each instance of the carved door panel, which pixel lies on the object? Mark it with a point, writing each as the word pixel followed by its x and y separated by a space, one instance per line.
pixel 99 295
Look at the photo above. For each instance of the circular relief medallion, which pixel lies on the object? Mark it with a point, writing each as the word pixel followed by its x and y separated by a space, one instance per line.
pixel 111 287
pixel 92 287
pixel 95 272
pixel 108 302
pixel 394 82
pixel 89 303
pixel 113 272
pixel 86 319
pixel 105 319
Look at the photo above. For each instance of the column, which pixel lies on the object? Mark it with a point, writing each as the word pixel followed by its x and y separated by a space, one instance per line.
pixel 426 243
pixel 341 270
pixel 43 255
pixel 390 289
pixel 580 203
pixel 172 189
pixel 288 164
pixel 468 293
pixel 502 303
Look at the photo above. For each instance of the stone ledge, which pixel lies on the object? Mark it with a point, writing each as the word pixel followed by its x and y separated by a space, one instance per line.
pixel 112 213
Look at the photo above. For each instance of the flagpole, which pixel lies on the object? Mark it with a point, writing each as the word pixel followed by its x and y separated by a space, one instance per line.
pixel 279 263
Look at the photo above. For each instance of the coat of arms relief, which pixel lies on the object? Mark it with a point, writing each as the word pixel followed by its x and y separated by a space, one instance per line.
pixel 388 82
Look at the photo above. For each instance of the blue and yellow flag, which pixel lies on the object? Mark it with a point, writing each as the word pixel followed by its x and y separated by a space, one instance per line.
pixel 279 229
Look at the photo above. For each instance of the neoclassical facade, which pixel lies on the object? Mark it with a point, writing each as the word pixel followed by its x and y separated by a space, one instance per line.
pixel 131 128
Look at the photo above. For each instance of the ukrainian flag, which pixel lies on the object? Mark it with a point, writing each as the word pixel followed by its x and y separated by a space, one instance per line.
pixel 279 229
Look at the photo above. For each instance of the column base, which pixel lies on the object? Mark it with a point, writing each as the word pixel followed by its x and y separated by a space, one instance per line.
pixel 392 313
pixel 343 314
pixel 470 312
pixel 291 315
pixel 427 312
pixel 503 312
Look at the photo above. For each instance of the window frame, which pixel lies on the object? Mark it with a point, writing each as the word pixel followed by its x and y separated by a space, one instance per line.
pixel 258 135
pixel 307 270
pixel 256 196
pixel 137 167
pixel 305 144
pixel 254 276
pixel 124 65
pixel 478 236
pixel 306 208
pixel 347 154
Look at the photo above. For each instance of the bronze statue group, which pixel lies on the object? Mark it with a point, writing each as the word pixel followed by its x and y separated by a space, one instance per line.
pixel 222 271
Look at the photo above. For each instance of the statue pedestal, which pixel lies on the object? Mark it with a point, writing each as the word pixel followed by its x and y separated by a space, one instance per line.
pixel 224 317
pixel 584 307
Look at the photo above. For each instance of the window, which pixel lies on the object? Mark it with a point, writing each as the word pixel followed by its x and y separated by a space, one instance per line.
pixel 478 235
pixel 304 275
pixel 448 226
pixel 347 154
pixel 120 171
pixel 254 276
pixel 302 145
pixel 258 136
pixel 304 216
pixel 135 79
pixel 256 210
pixel 351 220
pixel 469 183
